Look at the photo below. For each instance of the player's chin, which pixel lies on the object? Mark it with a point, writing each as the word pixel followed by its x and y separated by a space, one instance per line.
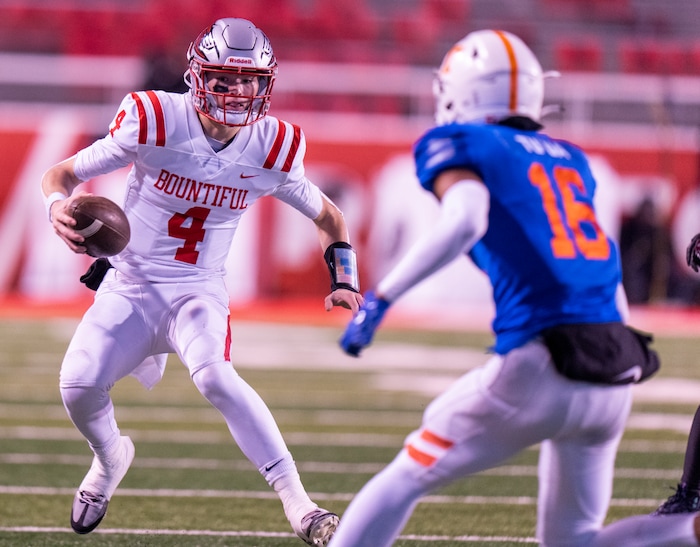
pixel 237 108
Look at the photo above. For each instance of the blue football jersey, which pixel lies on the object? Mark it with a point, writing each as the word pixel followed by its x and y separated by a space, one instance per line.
pixel 544 252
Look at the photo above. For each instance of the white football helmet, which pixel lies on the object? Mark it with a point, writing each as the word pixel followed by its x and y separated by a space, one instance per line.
pixel 239 47
pixel 487 76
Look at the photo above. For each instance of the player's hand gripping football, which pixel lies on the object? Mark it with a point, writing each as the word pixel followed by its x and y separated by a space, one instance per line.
pixel 64 224
pixel 360 331
pixel 692 254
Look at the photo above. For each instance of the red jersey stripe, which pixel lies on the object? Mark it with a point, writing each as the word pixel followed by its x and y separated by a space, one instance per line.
pixel 227 344
pixel 276 146
pixel 292 149
pixel 160 118
pixel 143 121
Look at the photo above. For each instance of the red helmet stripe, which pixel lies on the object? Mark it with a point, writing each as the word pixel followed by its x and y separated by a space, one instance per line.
pixel 513 101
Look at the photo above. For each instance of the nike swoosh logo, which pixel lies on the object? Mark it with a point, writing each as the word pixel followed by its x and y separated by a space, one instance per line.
pixel 273 464
pixel 244 176
pixel 633 373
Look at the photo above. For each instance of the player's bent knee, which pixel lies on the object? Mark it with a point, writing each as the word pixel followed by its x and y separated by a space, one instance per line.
pixel 216 380
pixel 84 400
pixel 79 369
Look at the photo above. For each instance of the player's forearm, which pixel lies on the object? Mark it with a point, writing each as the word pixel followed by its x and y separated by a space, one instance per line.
pixel 463 221
pixel 331 225
pixel 60 178
pixel 58 183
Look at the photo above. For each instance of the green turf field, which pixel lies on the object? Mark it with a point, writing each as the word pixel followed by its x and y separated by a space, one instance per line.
pixel 343 419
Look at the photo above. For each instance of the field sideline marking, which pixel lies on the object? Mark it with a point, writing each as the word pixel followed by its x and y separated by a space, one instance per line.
pixel 323 496
pixel 216 533
pixel 304 466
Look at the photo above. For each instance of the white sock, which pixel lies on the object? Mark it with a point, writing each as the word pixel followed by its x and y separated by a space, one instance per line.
pixel 283 476
pixel 106 454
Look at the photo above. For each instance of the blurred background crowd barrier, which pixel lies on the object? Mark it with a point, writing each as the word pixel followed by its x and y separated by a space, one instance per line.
pixel 357 75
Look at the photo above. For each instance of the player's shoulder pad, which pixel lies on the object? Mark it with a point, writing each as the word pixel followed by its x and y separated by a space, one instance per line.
pixel 141 119
pixel 457 131
pixel 456 137
pixel 444 147
pixel 284 144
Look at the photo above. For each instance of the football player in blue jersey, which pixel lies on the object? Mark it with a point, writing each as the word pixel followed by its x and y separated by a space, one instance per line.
pixel 520 204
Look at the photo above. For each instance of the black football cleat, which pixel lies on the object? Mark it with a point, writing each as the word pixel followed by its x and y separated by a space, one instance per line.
pixel 88 511
pixel 683 501
pixel 318 527
pixel 93 495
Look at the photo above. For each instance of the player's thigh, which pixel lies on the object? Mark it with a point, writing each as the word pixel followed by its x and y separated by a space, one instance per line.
pixel 110 341
pixel 199 331
pixel 511 395
pixel 491 413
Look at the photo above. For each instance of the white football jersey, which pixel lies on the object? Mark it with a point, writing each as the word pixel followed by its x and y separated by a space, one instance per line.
pixel 183 199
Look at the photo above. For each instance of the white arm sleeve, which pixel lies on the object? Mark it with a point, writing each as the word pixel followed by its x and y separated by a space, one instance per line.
pixel 463 221
pixel 622 304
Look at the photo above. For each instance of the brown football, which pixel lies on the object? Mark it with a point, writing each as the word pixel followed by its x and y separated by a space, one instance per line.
pixel 102 223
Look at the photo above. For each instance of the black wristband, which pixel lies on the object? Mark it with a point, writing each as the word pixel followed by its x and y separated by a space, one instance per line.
pixel 96 273
pixel 342 266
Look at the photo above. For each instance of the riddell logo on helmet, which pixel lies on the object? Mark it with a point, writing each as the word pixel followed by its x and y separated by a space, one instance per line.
pixel 239 61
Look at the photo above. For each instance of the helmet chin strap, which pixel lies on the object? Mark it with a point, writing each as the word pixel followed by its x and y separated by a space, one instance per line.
pixel 232 117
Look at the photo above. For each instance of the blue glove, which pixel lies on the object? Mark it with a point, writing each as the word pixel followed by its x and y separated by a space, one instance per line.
pixel 360 331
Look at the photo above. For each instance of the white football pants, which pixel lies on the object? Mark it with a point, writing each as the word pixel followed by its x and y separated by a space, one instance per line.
pixel 489 415
pixel 129 322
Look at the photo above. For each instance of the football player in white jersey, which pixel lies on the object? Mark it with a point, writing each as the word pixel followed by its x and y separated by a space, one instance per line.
pixel 199 161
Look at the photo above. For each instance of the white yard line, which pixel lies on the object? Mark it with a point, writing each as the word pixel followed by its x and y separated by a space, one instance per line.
pixel 481 540
pixel 366 468
pixel 320 496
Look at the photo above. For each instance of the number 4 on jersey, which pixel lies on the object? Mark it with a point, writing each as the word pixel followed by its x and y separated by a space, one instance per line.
pixel 191 233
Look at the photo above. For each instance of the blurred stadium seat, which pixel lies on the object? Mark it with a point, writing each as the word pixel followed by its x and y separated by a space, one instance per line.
pixel 641 56
pixel 394 31
pixel 582 53
pixel 655 56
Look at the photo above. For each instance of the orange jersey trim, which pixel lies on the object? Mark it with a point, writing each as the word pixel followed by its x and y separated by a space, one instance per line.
pixel 432 438
pixel 421 457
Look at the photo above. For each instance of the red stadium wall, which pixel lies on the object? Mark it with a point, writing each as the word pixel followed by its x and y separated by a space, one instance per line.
pixel 281 256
